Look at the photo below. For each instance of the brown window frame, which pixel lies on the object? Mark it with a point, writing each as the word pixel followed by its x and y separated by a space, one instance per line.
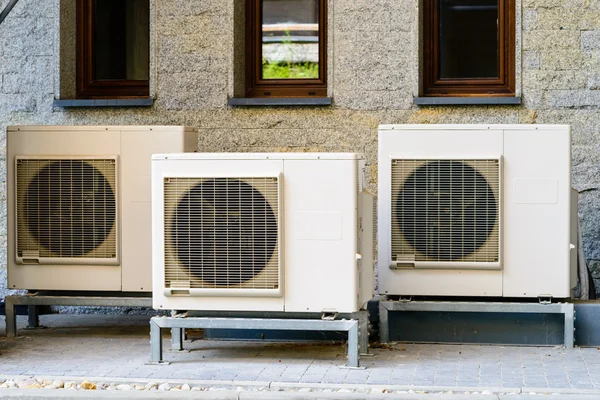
pixel 433 85
pixel 87 86
pixel 258 87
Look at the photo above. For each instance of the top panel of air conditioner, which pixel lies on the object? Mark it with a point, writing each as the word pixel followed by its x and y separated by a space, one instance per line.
pixel 260 156
pixel 86 128
pixel 471 127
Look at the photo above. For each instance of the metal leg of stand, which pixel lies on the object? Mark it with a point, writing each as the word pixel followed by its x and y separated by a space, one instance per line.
pixel 156 350
pixel 177 339
pixel 569 326
pixel 33 317
pixel 384 327
pixel 11 318
pixel 363 333
pixel 353 347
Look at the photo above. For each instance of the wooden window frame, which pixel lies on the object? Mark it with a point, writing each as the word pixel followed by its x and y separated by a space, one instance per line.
pixel 87 86
pixel 273 88
pixel 433 85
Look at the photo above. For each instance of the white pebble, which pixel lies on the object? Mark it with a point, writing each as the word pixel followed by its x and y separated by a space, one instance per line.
pixel 58 384
pixel 70 385
pixel 196 389
pixel 164 386
pixel 124 387
pixel 50 387
pixel 186 387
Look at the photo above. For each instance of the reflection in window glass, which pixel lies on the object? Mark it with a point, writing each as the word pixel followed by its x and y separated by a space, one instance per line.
pixel 468 39
pixel 121 39
pixel 290 39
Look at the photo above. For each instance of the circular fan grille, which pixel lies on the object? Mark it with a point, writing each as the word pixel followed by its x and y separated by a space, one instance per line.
pixel 446 210
pixel 70 207
pixel 225 231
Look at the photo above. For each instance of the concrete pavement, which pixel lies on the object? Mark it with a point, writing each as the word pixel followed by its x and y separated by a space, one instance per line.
pixel 115 348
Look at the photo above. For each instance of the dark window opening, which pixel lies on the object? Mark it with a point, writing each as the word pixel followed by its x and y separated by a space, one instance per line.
pixel 113 48
pixel 469 39
pixel 469 47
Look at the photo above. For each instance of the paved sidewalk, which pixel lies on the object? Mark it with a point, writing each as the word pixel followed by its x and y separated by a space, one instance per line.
pixel 117 346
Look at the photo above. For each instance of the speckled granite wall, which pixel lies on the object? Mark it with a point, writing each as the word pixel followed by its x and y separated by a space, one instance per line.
pixel 374 68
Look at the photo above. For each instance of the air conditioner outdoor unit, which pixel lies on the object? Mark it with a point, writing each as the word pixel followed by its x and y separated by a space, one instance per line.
pixel 261 232
pixel 79 213
pixel 475 210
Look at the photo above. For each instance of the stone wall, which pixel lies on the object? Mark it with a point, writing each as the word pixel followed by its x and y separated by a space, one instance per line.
pixel 374 69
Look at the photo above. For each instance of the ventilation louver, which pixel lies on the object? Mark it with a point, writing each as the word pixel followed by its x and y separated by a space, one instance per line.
pixel 445 213
pixel 66 210
pixel 222 234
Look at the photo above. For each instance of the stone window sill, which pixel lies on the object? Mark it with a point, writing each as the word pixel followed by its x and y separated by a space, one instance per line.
pixel 104 103
pixel 444 101
pixel 290 101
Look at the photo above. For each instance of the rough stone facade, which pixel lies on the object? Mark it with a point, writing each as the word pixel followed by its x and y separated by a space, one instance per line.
pixel 373 70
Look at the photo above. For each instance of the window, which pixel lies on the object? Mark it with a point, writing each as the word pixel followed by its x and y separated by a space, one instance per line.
pixel 113 47
pixel 469 48
pixel 286 48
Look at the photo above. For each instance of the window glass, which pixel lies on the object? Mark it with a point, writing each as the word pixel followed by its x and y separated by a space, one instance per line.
pixel 290 39
pixel 121 39
pixel 468 38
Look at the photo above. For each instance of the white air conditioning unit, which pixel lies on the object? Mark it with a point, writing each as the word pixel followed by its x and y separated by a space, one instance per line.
pixel 79 213
pixel 261 232
pixel 475 210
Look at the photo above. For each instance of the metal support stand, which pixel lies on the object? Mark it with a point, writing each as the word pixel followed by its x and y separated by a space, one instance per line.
pixel 444 306
pixel 42 300
pixel 357 329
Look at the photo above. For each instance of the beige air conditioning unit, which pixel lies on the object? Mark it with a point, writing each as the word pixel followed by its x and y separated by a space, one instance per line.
pixel 475 210
pixel 79 213
pixel 261 232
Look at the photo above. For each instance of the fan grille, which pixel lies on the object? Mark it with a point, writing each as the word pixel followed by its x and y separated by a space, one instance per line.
pixel 66 208
pixel 445 210
pixel 222 233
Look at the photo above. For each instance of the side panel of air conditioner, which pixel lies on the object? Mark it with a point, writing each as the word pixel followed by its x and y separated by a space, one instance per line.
pixel 137 150
pixel 321 240
pixel 436 144
pixel 68 143
pixel 537 212
pixel 193 294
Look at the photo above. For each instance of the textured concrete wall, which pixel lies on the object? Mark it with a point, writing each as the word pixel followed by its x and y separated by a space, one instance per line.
pixel 374 69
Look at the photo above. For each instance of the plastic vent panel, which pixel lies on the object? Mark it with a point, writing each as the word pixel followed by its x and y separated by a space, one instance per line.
pixel 222 233
pixel 66 208
pixel 445 211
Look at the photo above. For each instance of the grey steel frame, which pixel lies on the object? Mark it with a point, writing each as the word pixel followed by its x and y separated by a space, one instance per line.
pixel 356 327
pixel 552 308
pixel 43 300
